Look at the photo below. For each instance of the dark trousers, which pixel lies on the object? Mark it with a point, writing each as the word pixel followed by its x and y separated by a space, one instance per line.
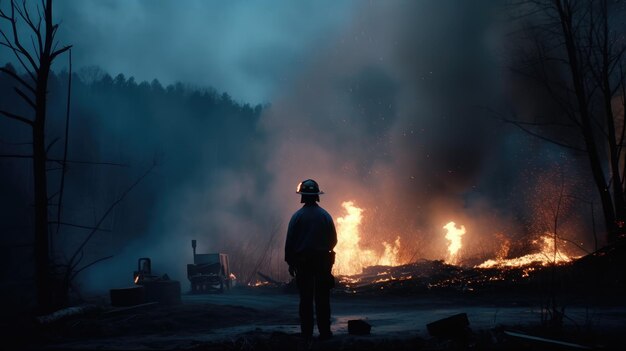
pixel 314 281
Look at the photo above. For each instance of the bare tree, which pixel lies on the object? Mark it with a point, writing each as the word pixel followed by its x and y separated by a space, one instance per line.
pixel 33 90
pixel 53 279
pixel 574 55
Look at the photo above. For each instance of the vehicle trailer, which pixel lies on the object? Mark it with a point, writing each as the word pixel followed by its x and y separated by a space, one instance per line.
pixel 209 272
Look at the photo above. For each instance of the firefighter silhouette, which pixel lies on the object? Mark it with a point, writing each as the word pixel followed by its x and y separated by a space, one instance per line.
pixel 311 238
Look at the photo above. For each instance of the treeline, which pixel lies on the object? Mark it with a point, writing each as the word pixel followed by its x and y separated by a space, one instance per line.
pixel 118 129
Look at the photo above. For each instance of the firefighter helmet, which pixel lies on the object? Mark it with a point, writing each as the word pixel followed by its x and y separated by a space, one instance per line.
pixel 308 187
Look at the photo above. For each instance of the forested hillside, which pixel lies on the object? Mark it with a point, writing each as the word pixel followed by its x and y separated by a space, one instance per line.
pixel 119 128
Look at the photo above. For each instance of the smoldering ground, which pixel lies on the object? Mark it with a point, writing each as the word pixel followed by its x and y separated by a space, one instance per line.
pixel 383 109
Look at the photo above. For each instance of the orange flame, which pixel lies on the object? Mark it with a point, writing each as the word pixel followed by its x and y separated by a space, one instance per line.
pixel 453 235
pixel 351 257
pixel 390 256
pixel 545 256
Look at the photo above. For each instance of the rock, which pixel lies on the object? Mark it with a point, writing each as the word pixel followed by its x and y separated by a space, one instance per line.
pixel 451 327
pixel 358 327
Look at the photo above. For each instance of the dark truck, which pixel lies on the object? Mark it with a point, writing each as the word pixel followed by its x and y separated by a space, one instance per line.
pixel 208 272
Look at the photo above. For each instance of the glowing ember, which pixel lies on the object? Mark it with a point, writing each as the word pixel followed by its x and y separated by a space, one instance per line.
pixel 349 280
pixel 453 235
pixel 351 258
pixel 259 283
pixel 503 252
pixel 545 256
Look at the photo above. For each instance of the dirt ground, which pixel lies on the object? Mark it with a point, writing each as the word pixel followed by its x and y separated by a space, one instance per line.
pixel 267 319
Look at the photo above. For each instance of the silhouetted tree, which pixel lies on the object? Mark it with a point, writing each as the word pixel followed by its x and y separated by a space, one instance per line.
pixel 33 91
pixel 574 57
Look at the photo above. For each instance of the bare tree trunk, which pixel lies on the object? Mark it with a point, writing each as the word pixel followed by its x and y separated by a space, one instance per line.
pixel 614 149
pixel 578 38
pixel 42 257
pixel 37 65
pixel 42 250
pixel 567 27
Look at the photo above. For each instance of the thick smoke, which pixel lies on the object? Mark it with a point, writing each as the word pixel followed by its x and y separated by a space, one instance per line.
pixel 386 115
pixel 385 111
pixel 389 115
pixel 247 49
pixel 382 113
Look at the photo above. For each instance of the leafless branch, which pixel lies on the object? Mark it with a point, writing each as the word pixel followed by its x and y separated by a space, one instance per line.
pixel 72 262
pixel 537 135
pixel 16 39
pixel 15 156
pixel 88 265
pixel 23 12
pixel 16 52
pixel 16 143
pixel 16 117
pixel 544 124
pixel 51 144
pixel 524 127
pixel 17 78
pixel 72 266
pixel 60 161
pixel 580 247
pixel 60 51
pixel 53 195
pixel 28 100
pixel 78 226
pixel 38 56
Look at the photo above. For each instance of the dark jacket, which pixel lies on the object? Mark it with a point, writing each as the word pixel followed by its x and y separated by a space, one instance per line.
pixel 311 232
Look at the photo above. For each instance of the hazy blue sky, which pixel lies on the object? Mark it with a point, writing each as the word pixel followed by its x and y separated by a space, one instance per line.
pixel 246 48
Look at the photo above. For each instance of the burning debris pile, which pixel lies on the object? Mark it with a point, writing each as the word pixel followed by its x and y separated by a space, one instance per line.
pixel 434 275
pixel 361 270
pixel 592 272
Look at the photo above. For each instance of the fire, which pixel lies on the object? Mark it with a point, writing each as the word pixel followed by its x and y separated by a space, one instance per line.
pixel 351 258
pixel 503 252
pixel 390 256
pixel 545 256
pixel 453 235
